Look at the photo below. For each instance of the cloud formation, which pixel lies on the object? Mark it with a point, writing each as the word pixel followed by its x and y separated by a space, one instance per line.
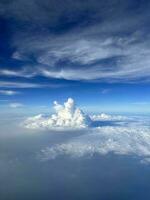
pixel 129 140
pixel 18 84
pixel 74 40
pixel 107 59
pixel 17 73
pixel 114 134
pixel 67 116
pixel 9 92
pixel 106 117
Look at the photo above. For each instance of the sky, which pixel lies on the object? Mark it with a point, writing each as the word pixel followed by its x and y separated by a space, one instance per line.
pixel 74 99
pixel 96 52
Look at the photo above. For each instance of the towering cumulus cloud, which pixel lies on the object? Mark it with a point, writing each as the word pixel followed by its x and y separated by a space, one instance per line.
pixel 67 116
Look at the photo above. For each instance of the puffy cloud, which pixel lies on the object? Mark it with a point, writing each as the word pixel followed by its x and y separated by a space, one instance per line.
pixel 128 140
pixel 106 117
pixel 129 136
pixel 67 116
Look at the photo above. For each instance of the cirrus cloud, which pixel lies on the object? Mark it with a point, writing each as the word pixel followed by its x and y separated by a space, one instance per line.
pixel 9 92
pixel 96 40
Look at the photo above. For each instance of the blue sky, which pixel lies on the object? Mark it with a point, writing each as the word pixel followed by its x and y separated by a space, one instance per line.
pixel 96 52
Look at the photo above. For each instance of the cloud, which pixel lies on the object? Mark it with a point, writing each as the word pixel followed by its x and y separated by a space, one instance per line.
pixel 129 140
pixel 99 40
pixel 67 116
pixel 108 59
pixel 123 136
pixel 13 84
pixel 115 61
pixel 106 117
pixel 9 92
pixel 16 105
pixel 25 72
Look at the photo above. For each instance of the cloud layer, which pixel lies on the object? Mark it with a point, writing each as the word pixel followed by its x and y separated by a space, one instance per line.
pixel 112 134
pixel 129 140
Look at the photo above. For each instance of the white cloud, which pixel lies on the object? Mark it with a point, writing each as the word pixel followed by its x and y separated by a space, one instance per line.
pixel 106 117
pixel 13 84
pixel 129 136
pixel 108 59
pixel 16 55
pixel 117 59
pixel 130 140
pixel 105 48
pixel 67 116
pixel 8 92
pixel 21 73
pixel 16 105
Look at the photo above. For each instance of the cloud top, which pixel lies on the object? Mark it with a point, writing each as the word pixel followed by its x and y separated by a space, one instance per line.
pixel 129 140
pixel 67 116
pixel 119 135
pixel 106 117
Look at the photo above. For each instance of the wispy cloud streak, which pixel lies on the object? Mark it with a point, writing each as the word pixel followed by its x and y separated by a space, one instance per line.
pixel 99 40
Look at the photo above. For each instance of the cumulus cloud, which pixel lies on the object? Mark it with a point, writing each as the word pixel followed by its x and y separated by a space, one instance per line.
pixel 123 136
pixel 130 140
pixel 67 116
pixel 106 117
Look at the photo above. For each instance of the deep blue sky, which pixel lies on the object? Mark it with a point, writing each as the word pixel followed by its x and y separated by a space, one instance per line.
pixel 94 51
